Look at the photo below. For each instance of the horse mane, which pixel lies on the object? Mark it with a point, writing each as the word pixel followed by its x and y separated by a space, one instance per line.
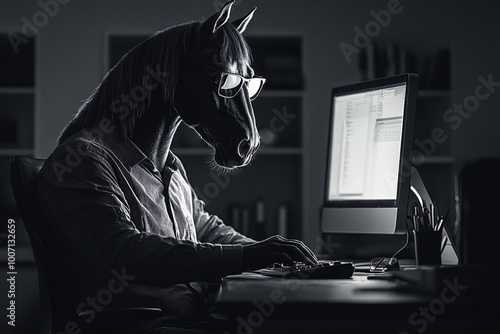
pixel 163 52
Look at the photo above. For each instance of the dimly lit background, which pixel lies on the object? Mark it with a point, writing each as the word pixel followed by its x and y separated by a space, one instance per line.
pixel 304 48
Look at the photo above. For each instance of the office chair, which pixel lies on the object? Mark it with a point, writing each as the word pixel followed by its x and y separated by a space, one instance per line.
pixel 23 173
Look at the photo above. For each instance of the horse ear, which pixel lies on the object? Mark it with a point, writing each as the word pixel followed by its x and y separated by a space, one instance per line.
pixel 241 24
pixel 214 22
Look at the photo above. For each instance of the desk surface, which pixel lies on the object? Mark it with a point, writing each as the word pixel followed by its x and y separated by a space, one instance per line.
pixel 358 289
pixel 361 304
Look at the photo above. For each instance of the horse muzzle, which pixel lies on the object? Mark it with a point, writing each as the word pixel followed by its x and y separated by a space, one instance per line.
pixel 243 154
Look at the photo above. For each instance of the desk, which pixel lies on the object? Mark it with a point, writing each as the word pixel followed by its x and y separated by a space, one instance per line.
pixel 357 305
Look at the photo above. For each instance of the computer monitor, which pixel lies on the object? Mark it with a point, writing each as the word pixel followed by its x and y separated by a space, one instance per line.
pixel 369 152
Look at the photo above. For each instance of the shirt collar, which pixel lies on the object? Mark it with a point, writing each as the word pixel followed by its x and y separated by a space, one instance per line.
pixel 130 155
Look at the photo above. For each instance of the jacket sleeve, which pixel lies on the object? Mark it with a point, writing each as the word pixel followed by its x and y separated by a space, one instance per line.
pixel 211 228
pixel 85 205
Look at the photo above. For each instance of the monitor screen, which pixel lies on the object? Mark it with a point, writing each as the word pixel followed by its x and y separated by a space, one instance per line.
pixel 371 137
pixel 366 144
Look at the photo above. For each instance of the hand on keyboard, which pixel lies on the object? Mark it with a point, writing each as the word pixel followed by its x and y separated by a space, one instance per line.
pixel 264 253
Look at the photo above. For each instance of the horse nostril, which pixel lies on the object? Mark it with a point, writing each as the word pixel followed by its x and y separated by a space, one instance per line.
pixel 244 148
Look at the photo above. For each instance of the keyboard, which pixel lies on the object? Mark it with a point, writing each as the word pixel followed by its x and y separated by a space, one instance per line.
pixel 322 270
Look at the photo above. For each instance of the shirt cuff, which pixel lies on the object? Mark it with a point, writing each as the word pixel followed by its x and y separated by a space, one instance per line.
pixel 232 259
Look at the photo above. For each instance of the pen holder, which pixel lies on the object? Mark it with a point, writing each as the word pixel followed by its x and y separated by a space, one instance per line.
pixel 428 247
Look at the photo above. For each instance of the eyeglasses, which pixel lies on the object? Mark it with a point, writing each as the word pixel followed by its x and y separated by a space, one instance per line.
pixel 230 84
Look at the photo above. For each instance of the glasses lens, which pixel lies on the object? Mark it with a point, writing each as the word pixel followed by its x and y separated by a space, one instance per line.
pixel 230 84
pixel 254 86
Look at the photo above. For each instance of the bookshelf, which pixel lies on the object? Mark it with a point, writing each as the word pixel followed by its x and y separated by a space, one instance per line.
pixel 273 180
pixel 17 99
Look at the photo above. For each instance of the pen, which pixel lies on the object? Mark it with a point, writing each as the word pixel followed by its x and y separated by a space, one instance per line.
pixel 433 215
pixel 442 219
pixel 415 218
pixel 427 224
pixel 440 224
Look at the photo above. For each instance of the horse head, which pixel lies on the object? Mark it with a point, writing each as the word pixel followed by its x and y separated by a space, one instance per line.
pixel 215 87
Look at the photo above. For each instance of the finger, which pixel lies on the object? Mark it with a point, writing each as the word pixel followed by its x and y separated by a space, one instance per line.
pixel 304 248
pixel 276 237
pixel 309 255
pixel 293 251
pixel 309 252
pixel 270 240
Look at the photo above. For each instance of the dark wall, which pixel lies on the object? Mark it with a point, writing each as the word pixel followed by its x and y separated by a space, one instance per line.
pixel 71 55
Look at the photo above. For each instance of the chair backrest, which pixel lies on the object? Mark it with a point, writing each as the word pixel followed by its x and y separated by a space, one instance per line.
pixel 23 173
pixel 480 195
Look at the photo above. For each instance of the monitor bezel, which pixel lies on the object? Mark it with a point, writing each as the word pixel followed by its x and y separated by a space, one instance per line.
pixel 404 170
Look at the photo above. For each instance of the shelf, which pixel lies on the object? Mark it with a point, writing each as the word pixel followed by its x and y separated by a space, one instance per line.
pixel 17 90
pixel 15 151
pixel 265 150
pixel 434 160
pixel 434 93
pixel 280 93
